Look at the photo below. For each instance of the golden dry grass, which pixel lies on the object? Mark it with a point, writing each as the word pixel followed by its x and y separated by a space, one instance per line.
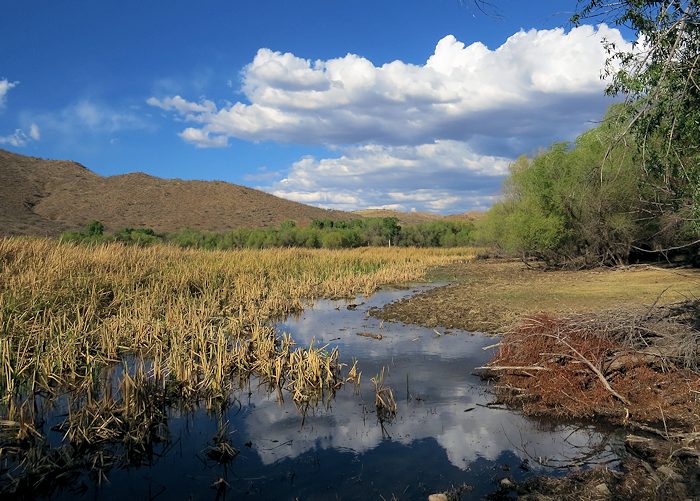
pixel 199 318
pixel 113 337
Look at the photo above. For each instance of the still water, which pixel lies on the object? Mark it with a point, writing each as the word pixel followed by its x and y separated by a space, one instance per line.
pixel 446 432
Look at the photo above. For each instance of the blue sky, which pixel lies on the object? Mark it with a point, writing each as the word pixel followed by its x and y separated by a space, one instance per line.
pixel 399 104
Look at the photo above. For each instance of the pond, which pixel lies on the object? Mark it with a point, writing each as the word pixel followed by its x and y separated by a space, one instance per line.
pixel 446 432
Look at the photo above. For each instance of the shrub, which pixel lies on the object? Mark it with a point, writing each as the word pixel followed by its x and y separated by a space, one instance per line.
pixel 572 203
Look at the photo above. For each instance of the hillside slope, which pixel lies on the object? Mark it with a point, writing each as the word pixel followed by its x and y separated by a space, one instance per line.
pixel 45 197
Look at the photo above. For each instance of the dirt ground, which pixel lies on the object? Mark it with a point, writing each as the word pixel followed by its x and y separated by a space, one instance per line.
pixel 492 295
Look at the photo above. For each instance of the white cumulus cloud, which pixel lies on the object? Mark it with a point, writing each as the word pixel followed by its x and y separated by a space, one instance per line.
pixel 436 136
pixel 461 92
pixel 180 105
pixel 34 132
pixel 5 86
pixel 20 137
pixel 445 176
pixel 201 138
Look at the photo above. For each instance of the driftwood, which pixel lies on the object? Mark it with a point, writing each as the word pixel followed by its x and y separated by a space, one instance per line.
pixel 372 335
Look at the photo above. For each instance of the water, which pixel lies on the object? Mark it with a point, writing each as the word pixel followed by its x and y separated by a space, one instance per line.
pixel 445 433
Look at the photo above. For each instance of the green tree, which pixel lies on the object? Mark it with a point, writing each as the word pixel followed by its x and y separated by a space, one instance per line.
pixel 660 79
pixel 137 236
pixel 95 229
pixel 562 207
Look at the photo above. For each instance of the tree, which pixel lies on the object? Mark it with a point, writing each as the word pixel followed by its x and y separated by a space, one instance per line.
pixel 660 78
pixel 563 208
pixel 95 229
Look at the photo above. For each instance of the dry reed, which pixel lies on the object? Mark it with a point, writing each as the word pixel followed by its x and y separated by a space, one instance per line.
pixel 120 333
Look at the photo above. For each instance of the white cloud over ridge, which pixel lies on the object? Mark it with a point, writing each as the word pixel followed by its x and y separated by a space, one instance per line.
pixel 19 137
pixel 34 132
pixel 436 136
pixel 87 116
pixel 446 176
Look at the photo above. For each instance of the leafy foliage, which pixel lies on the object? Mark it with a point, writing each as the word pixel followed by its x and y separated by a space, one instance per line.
pixel 572 203
pixel 92 233
pixel 327 234
pixel 633 183
pixel 660 78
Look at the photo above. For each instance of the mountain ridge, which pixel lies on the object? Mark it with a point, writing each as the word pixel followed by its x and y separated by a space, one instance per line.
pixel 47 197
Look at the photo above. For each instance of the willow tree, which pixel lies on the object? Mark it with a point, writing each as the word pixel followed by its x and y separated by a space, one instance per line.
pixel 562 207
pixel 660 80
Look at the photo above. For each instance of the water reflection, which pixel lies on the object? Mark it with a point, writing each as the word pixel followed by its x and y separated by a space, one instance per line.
pixel 441 406
pixel 445 432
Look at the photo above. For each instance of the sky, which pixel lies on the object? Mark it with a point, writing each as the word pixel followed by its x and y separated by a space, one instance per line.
pixel 405 105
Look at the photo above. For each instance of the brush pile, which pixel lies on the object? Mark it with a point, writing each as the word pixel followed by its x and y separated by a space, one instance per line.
pixel 634 368
pixel 638 369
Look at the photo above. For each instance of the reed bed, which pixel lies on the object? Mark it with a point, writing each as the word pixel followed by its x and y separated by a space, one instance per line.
pixel 115 334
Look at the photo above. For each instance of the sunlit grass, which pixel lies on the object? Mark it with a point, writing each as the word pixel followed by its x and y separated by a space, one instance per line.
pixel 199 318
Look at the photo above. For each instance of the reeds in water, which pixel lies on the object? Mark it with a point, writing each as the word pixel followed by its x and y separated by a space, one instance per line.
pixel 182 327
pixel 384 400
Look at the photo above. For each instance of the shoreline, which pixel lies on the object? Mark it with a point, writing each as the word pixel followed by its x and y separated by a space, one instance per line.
pixel 626 354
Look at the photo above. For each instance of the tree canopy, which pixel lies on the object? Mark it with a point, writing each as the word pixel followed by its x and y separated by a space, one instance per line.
pixel 660 79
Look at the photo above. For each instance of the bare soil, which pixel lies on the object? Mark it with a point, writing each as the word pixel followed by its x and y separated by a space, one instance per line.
pixel 493 295
pixel 419 217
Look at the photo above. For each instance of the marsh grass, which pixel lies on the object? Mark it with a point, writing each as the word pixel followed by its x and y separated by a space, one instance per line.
pixel 221 450
pixel 113 336
pixel 384 400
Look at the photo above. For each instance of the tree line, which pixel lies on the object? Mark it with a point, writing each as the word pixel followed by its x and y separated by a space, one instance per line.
pixel 328 234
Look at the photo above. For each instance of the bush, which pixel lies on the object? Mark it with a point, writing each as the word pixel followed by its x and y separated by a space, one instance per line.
pixel 573 203
pixel 93 233
pixel 137 236
pixel 321 233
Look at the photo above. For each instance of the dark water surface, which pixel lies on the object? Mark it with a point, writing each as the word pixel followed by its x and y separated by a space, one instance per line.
pixel 445 434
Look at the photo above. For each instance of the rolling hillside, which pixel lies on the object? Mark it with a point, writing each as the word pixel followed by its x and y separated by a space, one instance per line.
pixel 418 217
pixel 46 197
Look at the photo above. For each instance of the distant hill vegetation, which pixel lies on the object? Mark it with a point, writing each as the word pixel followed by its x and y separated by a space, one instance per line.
pixel 47 197
pixel 419 217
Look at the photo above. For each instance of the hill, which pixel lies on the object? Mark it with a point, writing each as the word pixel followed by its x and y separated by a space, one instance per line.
pixel 46 197
pixel 418 217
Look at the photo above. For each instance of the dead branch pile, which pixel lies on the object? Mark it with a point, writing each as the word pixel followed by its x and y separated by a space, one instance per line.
pixel 628 367
pixel 669 332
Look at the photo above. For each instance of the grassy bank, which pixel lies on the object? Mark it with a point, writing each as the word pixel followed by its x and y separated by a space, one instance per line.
pixel 492 296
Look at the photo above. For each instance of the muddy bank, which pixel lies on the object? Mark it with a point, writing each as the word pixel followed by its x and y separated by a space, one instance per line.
pixel 615 346
pixel 492 295
pixel 654 469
